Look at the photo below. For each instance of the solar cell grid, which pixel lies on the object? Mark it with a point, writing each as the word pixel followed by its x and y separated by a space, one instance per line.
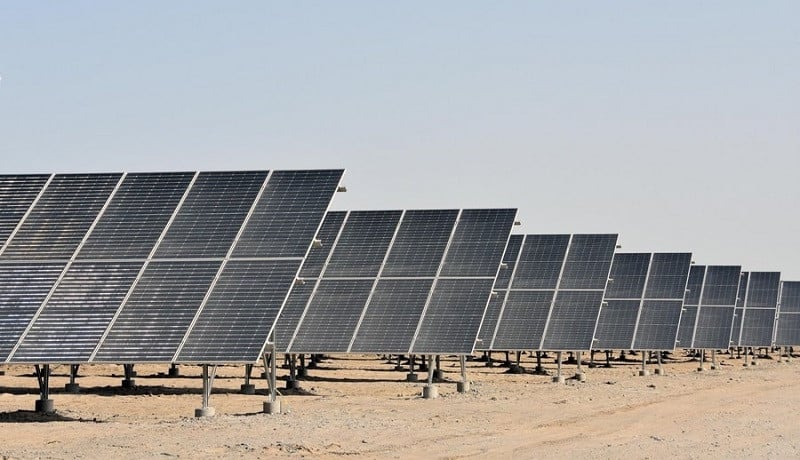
pixel 17 194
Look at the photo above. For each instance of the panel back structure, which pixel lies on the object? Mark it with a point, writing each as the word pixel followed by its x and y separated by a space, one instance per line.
pixel 709 307
pixel 152 267
pixel 551 288
pixel 754 325
pixel 644 300
pixel 400 282
pixel 787 330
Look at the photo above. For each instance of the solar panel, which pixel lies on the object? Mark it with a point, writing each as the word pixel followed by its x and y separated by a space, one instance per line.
pixel 616 325
pixel 787 330
pixel 710 303
pixel 755 322
pixel 396 282
pixel 152 267
pixel 555 292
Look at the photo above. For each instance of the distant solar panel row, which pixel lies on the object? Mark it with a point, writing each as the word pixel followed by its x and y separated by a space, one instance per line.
pixel 644 299
pixel 151 267
pixel 711 298
pixel 787 332
pixel 550 293
pixel 414 281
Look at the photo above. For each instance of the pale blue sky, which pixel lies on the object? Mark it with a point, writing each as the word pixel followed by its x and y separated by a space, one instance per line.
pixel 676 124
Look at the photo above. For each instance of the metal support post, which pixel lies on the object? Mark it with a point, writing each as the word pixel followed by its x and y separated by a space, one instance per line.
pixel 580 375
pixel 463 385
pixel 702 361
pixel 429 391
pixel 72 386
pixel 44 405
pixel 714 359
pixel 558 377
pixel 643 371
pixel 208 382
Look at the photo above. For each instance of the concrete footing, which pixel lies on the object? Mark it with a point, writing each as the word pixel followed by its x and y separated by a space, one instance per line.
pixel 412 377
pixel 72 388
pixel 514 369
pixel 174 372
pixel 430 392
pixel 714 367
pixel 2 372
pixel 292 384
pixel 45 406
pixel 205 412
pixel 701 369
pixel 128 384
pixel 438 374
pixel 247 389
pixel 302 372
pixel 581 377
pixel 643 372
pixel 272 407
pixel 658 371
pixel 558 379
pixel 462 387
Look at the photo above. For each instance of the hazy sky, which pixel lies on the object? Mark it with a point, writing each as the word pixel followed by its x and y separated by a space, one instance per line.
pixel 676 124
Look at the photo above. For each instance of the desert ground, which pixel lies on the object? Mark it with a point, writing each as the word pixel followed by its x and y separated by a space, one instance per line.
pixel 359 406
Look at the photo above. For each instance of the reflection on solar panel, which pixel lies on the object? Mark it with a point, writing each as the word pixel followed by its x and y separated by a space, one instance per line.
pixel 644 300
pixel 754 325
pixel 400 282
pixel 152 267
pixel 709 305
pixel 787 331
pixel 552 289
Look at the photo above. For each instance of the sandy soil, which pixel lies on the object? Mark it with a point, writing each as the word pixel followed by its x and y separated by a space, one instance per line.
pixel 359 406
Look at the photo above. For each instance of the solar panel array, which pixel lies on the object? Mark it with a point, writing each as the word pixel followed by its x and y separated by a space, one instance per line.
pixel 787 330
pixel 709 307
pixel 754 325
pixel 414 281
pixel 151 267
pixel 643 301
pixel 550 292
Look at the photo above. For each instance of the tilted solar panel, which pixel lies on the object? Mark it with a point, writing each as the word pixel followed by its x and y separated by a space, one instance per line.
pixel 397 282
pixel 711 317
pixel 755 325
pixel 152 267
pixel 787 330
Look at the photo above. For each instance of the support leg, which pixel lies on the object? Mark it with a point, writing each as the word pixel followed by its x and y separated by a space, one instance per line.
pixel 411 376
pixel 539 368
pixel 430 391
pixel 174 371
pixel 463 385
pixel 558 378
pixel 436 363
pixel 72 386
pixel 208 381
pixel 579 375
pixel 643 371
pixel 660 368
pixel 44 405
pixel 273 405
pixel 714 365
pixel 247 388
pixel 702 361
pixel 128 382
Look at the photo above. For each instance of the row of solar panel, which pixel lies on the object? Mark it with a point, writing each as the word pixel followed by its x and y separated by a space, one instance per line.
pixel 161 267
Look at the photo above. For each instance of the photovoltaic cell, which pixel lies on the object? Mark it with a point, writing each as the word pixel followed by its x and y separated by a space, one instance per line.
pixel 510 261
pixel 363 243
pixel 477 246
pixel 787 331
pixel 588 262
pixel 17 193
pixel 135 218
pixel 420 243
pixel 755 321
pixel 716 287
pixel 211 214
pixel 287 214
pixel 658 325
pixel 540 262
pixel 617 324
pixel 628 274
pixel 60 219
pixel 155 318
pixel 489 324
pixel 289 317
pixel 70 325
pixel 23 288
pixel 240 311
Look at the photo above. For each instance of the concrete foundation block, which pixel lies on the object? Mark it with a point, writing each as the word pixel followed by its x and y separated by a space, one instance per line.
pixel 272 407
pixel 128 384
pixel 462 387
pixel 558 379
pixel 174 372
pixel 292 384
pixel 412 377
pixel 205 412
pixel 45 406
pixel 430 392
pixel 581 377
pixel 643 372
pixel 658 371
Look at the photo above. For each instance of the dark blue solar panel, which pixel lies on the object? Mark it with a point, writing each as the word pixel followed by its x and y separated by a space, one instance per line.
pixel 694 286
pixel 454 315
pixel 668 275
pixel 524 317
pixel 658 325
pixel 155 318
pixel 588 262
pixel 392 316
pixel 77 314
pixel 23 288
pixel 757 320
pixel 616 325
pixel 291 313
pixel 790 297
pixel 787 331
pixel 336 307
pixel 573 319
pixel 136 216
pixel 363 243
pixel 478 243
pixel 60 219
pixel 288 213
pixel 211 215
pixel 721 285
pixel 490 319
pixel 540 262
pixel 628 272
pixel 420 243
pixel 17 193
pixel 686 328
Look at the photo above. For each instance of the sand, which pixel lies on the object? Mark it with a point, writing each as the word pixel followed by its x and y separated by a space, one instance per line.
pixel 359 406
